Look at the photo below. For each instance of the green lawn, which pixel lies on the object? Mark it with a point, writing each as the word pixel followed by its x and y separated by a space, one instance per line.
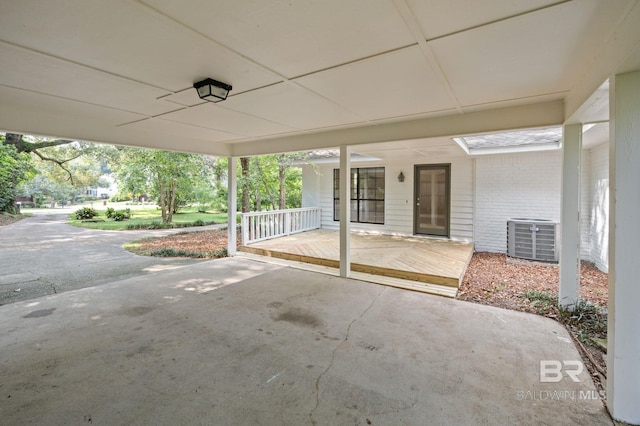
pixel 150 218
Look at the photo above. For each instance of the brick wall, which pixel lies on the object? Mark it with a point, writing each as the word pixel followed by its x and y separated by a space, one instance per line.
pixel 523 185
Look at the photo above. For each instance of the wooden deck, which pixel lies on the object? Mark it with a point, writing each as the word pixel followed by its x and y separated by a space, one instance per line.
pixel 414 259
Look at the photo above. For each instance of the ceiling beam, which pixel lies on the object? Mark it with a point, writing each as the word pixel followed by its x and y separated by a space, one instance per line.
pixel 487 121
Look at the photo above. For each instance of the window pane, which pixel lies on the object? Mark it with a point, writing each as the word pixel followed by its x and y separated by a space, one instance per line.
pixel 366 192
pixel 354 211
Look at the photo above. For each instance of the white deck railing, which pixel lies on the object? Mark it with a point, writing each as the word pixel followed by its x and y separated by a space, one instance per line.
pixel 259 226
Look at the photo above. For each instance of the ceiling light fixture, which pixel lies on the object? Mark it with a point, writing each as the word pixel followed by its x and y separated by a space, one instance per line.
pixel 212 90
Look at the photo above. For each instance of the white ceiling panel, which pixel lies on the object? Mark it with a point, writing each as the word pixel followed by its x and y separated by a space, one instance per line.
pixel 295 37
pixel 52 105
pixel 395 84
pixel 127 39
pixel 632 62
pixel 48 75
pixel 52 116
pixel 441 17
pixel 291 106
pixel 306 73
pixel 172 128
pixel 216 117
pixel 188 97
pixel 534 54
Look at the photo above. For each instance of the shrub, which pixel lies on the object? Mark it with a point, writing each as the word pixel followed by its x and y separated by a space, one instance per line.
pixel 110 212
pixel 120 215
pixel 152 225
pixel 85 213
pixel 169 252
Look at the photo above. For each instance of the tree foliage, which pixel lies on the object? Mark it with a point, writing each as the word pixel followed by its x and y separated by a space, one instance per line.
pixel 15 168
pixel 270 181
pixel 65 167
pixel 170 177
pixel 60 168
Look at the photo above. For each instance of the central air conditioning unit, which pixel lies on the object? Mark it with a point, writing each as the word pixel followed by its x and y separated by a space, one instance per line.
pixel 533 239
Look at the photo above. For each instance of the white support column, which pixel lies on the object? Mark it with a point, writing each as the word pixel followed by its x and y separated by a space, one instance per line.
pixel 570 216
pixel 623 349
pixel 345 210
pixel 232 206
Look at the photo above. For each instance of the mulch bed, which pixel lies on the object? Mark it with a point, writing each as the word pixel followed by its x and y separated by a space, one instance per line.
pixel 199 242
pixel 491 280
pixel 8 219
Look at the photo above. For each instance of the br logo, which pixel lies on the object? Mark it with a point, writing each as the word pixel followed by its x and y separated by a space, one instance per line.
pixel 552 371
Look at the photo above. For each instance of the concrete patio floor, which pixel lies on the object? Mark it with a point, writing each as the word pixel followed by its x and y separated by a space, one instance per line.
pixel 233 341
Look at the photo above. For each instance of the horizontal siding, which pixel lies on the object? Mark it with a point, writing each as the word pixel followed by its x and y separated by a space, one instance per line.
pixel 399 197
pixel 485 192
pixel 461 225
pixel 599 206
pixel 585 206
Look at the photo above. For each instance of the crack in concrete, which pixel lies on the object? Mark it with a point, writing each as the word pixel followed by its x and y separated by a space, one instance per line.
pixel 333 354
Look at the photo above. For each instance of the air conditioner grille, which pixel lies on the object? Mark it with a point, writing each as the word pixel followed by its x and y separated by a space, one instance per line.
pixel 533 239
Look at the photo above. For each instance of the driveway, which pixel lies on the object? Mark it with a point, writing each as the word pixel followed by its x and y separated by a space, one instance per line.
pixel 42 255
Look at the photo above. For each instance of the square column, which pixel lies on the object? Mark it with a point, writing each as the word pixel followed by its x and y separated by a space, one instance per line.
pixel 623 349
pixel 232 206
pixel 570 216
pixel 345 210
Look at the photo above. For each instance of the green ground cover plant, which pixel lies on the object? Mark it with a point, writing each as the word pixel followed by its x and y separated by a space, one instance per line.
pixel 149 218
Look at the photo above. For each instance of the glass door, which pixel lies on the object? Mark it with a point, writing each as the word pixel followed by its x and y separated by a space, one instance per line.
pixel 432 193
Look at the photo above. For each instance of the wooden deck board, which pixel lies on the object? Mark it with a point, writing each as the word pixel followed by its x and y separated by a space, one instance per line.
pixel 420 260
pixel 422 287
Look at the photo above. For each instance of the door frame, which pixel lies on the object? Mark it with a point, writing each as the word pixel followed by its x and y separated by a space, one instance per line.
pixel 416 190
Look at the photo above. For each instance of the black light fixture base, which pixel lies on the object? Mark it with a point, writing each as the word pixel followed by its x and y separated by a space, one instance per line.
pixel 212 90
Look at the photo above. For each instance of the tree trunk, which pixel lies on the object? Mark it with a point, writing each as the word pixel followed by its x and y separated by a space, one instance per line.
pixel 246 190
pixel 163 203
pixel 266 185
pixel 15 140
pixel 172 201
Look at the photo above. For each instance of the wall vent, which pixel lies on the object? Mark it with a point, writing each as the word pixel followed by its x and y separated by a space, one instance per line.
pixel 533 239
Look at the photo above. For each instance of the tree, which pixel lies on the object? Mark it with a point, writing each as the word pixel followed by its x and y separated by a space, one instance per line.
pixel 42 187
pixel 67 166
pixel 168 176
pixel 280 181
pixel 33 145
pixel 15 168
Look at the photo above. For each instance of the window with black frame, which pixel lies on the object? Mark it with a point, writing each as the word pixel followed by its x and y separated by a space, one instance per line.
pixel 367 195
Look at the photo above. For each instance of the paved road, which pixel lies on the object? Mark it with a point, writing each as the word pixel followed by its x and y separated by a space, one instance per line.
pixel 42 255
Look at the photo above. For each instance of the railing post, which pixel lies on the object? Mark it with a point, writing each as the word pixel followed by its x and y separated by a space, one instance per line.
pixel 244 223
pixel 258 226
pixel 287 222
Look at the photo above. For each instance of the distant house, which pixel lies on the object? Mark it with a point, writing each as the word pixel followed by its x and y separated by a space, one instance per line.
pixel 25 201
pixel 465 189
pixel 104 192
